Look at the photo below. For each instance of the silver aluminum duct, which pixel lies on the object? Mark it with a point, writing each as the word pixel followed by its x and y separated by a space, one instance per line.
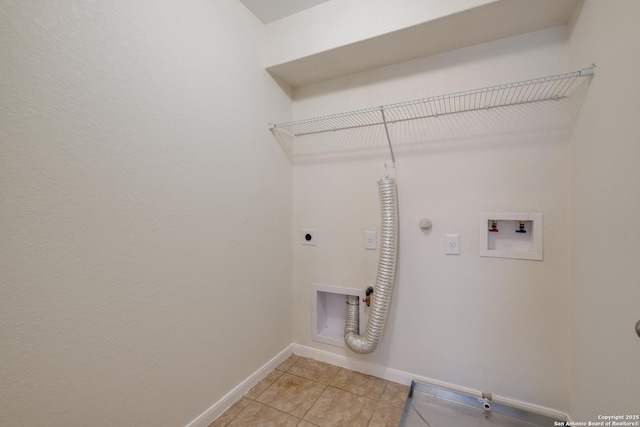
pixel 384 281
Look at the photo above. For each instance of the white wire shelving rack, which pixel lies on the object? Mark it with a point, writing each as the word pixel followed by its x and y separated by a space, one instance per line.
pixel 522 92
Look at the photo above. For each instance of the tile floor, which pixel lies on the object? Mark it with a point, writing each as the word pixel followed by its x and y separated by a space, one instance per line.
pixel 306 393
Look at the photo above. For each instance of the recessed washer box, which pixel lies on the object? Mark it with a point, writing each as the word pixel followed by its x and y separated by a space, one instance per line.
pixel 515 235
pixel 329 312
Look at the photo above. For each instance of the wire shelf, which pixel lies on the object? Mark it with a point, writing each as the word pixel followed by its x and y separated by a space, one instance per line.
pixel 534 90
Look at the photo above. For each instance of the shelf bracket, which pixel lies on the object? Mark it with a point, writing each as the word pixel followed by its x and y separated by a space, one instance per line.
pixel 386 130
pixel 589 71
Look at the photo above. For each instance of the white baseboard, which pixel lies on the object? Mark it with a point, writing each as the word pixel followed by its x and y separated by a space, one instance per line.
pixel 406 378
pixel 218 408
pixel 208 416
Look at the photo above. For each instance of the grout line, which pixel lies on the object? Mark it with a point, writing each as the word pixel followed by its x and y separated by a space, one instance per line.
pixel 297 376
pixel 308 422
pixel 335 375
pixel 213 412
pixel 279 410
pixel 377 401
pixel 315 401
pixel 238 414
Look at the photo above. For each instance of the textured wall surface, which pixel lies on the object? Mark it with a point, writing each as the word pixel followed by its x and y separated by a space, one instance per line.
pixel 497 325
pixel 147 264
pixel 351 21
pixel 145 212
pixel 605 187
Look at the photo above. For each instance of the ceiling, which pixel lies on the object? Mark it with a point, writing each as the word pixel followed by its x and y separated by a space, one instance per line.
pixel 272 10
pixel 493 20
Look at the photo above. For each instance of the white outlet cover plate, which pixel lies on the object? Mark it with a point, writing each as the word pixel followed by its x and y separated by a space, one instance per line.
pixel 370 240
pixel 308 241
pixel 453 244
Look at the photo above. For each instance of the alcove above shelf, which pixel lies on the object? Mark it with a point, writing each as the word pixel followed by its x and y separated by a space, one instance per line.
pixel 522 92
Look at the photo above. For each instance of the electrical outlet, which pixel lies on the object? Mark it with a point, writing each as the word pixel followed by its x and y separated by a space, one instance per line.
pixel 452 244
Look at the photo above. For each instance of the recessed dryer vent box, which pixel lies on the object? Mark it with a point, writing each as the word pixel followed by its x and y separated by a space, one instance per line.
pixel 329 312
pixel 515 235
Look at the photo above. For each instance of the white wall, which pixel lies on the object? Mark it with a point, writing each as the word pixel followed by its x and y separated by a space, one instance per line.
pixel 340 22
pixel 146 215
pixel 496 325
pixel 343 37
pixel 605 202
pixel 146 212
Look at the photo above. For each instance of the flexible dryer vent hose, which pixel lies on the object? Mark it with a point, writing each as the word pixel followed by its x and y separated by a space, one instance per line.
pixel 384 282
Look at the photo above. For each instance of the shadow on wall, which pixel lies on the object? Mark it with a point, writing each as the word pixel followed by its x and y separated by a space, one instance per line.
pixel 540 122
pixel 460 58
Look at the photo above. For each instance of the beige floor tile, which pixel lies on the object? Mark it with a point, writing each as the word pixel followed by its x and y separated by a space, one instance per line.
pixel 291 360
pixel 231 413
pixel 351 400
pixel 395 394
pixel 386 416
pixel 263 385
pixel 314 370
pixel 259 415
pixel 360 384
pixel 292 394
pixel 338 408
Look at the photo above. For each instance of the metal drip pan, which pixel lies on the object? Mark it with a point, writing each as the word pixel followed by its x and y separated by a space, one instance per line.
pixel 436 407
